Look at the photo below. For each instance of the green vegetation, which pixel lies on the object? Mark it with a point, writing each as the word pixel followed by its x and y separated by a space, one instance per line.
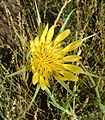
pixel 85 99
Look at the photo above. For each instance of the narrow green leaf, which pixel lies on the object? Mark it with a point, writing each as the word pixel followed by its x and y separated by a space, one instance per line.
pixel 39 22
pixel 84 39
pixel 57 105
pixel 66 87
pixel 102 107
pixel 17 72
pixel 66 21
pixel 38 14
pixel 89 74
pixel 19 36
pixel 34 97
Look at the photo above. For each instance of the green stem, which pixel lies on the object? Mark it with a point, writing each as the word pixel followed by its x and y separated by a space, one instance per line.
pixel 55 103
pixel 33 99
pixel 96 90
pixel 94 85
pixel 98 95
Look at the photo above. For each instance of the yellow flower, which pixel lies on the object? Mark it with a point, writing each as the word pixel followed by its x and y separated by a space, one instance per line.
pixel 50 59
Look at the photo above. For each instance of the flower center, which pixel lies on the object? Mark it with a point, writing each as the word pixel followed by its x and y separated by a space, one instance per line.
pixel 45 59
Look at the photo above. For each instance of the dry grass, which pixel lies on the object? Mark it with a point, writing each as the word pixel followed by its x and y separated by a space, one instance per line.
pixel 16 92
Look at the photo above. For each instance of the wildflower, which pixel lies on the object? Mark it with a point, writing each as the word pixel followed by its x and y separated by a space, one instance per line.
pixel 50 59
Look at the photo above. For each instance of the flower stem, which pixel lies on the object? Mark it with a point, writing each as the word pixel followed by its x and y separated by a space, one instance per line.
pixel 33 99
pixel 94 85
pixel 55 103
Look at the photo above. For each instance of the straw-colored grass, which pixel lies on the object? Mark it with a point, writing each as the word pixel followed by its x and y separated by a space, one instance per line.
pixel 87 98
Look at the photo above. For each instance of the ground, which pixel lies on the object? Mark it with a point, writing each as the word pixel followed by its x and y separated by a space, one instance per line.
pixel 16 92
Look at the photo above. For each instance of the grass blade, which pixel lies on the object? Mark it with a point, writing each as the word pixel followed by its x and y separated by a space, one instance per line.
pixel 66 87
pixel 17 72
pixel 66 21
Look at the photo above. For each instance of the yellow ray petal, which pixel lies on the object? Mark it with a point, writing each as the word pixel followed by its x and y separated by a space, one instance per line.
pixel 33 68
pixel 46 75
pixel 42 39
pixel 42 83
pixel 61 36
pixel 65 75
pixel 32 46
pixel 50 34
pixel 36 41
pixel 73 68
pixel 35 78
pixel 47 82
pixel 71 58
pixel 72 46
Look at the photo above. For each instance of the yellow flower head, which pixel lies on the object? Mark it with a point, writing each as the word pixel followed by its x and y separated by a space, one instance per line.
pixel 50 59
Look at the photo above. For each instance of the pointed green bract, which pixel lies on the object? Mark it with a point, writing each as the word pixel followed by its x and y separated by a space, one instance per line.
pixel 42 39
pixel 66 21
